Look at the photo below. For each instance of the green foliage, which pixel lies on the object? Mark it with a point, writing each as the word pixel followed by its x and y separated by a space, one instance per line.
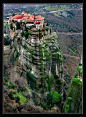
pixel 80 69
pixel 57 7
pixel 77 81
pixel 42 84
pixel 31 54
pixel 41 66
pixel 46 53
pixel 6 41
pixel 49 103
pixel 50 30
pixel 55 96
pixel 11 46
pixel 29 32
pixel 18 26
pixel 50 81
pixel 53 37
pixel 14 14
pixel 40 52
pixel 70 98
pixel 75 84
pixel 26 35
pixel 57 82
pixel 11 96
pixel 28 49
pixel 5 77
pixel 30 79
pixel 22 33
pixel 20 98
pixel 66 108
pixel 11 26
pixel 17 99
pixel 40 34
pixel 43 29
pixel 60 59
pixel 52 98
pixel 17 54
pixel 5 24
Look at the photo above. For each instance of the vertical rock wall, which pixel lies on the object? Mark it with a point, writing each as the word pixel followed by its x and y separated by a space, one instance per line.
pixel 40 59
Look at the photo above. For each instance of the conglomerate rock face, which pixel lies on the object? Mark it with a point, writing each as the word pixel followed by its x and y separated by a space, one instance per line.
pixel 39 59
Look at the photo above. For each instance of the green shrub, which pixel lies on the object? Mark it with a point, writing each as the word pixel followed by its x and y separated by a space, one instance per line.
pixel 66 108
pixel 17 99
pixel 70 98
pixel 40 34
pixel 49 103
pixel 30 79
pixel 52 98
pixel 22 33
pixel 6 41
pixel 29 32
pixel 75 80
pixel 10 46
pixel 26 35
pixel 18 25
pixel 17 54
pixel 80 69
pixel 14 14
pixel 53 37
pixel 49 83
pixel 55 96
pixel 11 96
pixel 11 26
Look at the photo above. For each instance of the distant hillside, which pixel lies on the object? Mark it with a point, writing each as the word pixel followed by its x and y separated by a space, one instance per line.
pixel 62 23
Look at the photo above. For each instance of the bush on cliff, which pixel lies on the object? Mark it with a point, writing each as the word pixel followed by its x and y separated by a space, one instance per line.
pixel 52 98
pixel 30 79
pixel 26 35
pixel 17 26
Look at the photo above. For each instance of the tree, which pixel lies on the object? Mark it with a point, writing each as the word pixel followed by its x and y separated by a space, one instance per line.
pixel 14 14
pixel 6 41
pixel 52 98
pixel 17 26
pixel 11 26
pixel 26 35
pixel 17 99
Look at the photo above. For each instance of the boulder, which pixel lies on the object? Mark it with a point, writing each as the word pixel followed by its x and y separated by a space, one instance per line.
pixel 55 109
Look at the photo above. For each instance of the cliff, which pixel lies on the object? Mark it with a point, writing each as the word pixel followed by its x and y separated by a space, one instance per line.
pixel 39 59
pixel 73 103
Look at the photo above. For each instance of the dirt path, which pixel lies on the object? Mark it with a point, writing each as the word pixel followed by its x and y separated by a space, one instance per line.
pixel 70 33
pixel 71 56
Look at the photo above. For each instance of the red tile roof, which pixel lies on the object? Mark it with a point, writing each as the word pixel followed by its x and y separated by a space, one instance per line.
pixel 29 20
pixel 38 17
pixel 17 17
pixel 28 17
